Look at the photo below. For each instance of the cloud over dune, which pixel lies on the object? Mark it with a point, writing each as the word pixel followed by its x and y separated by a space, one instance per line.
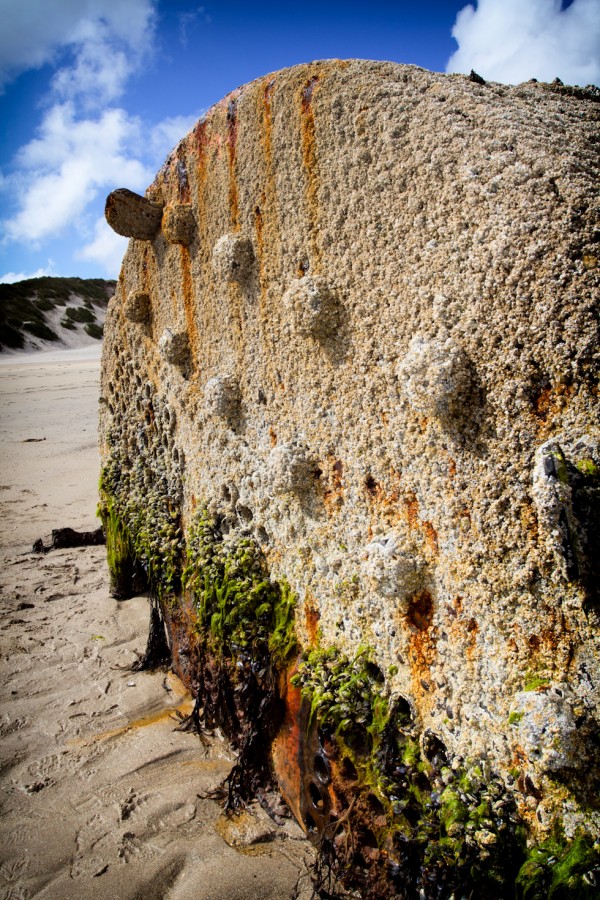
pixel 84 146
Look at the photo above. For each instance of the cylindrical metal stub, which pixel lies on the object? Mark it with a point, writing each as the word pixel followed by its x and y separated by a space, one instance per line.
pixel 132 215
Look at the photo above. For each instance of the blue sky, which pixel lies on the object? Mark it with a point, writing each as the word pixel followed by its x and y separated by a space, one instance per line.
pixel 96 92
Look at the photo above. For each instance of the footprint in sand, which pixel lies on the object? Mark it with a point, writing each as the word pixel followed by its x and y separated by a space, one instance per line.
pixel 11 874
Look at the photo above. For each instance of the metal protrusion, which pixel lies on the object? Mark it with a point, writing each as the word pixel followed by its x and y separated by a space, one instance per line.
pixel 132 215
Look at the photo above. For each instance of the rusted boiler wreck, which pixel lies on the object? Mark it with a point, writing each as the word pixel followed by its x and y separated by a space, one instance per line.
pixel 350 437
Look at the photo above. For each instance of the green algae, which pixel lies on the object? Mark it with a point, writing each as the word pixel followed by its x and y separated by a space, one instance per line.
pixel 443 829
pixel 120 555
pixel 452 828
pixel 535 682
pixel 588 468
pixel 561 869
pixel 239 608
pixel 341 692
pixel 146 531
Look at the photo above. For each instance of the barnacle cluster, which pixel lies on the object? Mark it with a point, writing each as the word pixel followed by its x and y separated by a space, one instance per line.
pixel 141 486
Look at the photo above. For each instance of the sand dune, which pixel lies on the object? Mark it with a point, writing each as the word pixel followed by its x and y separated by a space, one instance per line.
pixel 99 793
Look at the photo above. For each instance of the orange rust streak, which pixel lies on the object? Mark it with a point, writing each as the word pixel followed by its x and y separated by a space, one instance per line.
pixel 312 617
pixel 287 748
pixel 232 130
pixel 309 159
pixel 183 184
pixel 422 642
pixel 411 505
pixel 333 485
pixel 268 122
pixel 431 536
pixel 412 510
pixel 258 224
pixel 182 710
pixel 266 218
pixel 549 403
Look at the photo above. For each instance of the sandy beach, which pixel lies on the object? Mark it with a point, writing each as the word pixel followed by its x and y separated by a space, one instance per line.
pixel 101 796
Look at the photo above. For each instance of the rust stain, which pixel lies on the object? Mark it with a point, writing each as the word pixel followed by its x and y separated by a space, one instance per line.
pixel 422 644
pixel 549 402
pixel 287 748
pixel 472 626
pixel 269 194
pixel 272 436
pixel 541 403
pixel 411 505
pixel 551 648
pixel 268 232
pixel 232 132
pixel 333 484
pixel 384 499
pixel 431 536
pixel 201 138
pixel 420 611
pixel 312 617
pixel 372 487
pixel 414 521
pixel 451 467
pixel 309 160
pixel 529 521
pixel 182 623
pixel 463 630
pixel 260 241
pixel 268 121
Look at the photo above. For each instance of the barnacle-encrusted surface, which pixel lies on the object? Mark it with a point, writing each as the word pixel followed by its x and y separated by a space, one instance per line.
pixel 371 363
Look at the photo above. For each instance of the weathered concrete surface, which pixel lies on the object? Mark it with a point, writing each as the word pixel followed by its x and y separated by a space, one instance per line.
pixel 372 345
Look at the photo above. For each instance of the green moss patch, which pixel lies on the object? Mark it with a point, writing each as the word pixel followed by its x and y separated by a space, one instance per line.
pixel 144 531
pixel 239 608
pixel 561 869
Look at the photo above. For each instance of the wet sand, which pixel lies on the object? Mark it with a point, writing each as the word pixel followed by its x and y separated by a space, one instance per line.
pixel 98 791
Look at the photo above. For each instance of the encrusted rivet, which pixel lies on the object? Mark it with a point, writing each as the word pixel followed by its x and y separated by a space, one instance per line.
pixel 222 396
pixel 175 347
pixel 233 258
pixel 178 223
pixel 132 215
pixel 436 378
pixel 137 307
pixel 313 307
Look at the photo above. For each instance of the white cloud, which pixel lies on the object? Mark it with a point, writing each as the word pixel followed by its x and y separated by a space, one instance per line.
pixel 514 40
pixel 106 37
pixel 11 277
pixel 107 249
pixel 83 148
pixel 64 169
pixel 167 133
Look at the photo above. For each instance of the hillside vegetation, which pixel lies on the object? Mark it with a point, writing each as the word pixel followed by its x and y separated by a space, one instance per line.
pixel 40 310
